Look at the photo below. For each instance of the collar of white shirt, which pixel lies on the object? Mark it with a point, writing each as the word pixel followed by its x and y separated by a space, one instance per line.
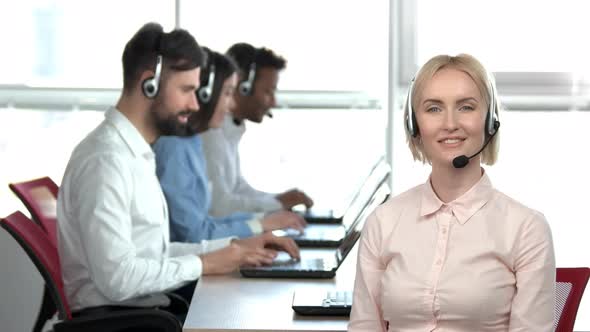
pixel 129 133
pixel 464 206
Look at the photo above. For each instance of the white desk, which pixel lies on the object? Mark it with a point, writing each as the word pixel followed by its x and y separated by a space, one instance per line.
pixel 235 303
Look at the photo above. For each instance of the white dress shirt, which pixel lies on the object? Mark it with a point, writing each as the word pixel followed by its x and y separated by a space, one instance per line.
pixel 230 191
pixel 113 233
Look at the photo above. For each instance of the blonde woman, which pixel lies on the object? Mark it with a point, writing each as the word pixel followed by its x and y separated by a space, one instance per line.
pixel 454 253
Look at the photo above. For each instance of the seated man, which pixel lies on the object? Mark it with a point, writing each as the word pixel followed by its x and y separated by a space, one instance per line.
pixel 258 74
pixel 181 168
pixel 113 235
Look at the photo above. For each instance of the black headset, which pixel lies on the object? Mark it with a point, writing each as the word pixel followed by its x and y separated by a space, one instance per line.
pixel 246 87
pixel 151 85
pixel 206 92
pixel 412 125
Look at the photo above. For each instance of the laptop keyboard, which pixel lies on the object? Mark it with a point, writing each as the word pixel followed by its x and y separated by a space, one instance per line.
pixel 337 298
pixel 306 264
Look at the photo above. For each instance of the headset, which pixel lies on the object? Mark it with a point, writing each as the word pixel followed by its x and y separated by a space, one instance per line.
pixel 206 92
pixel 492 124
pixel 246 87
pixel 151 85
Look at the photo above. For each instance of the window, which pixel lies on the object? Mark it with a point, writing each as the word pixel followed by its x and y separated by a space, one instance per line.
pixel 508 36
pixel 324 152
pixel 330 45
pixel 537 49
pixel 68 43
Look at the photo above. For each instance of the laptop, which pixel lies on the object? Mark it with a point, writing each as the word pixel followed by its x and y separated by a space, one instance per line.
pixel 335 215
pixel 318 267
pixel 331 235
pixel 325 303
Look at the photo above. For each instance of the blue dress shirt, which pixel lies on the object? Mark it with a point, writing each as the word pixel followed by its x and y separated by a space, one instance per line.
pixel 181 169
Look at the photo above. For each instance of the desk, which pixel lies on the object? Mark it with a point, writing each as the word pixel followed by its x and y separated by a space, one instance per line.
pixel 234 303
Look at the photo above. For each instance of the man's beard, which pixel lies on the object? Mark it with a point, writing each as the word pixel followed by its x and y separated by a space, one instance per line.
pixel 168 125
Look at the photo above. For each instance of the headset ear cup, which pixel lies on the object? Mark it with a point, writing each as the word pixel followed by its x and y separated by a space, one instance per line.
pixel 411 123
pixel 149 88
pixel 245 88
pixel 150 85
pixel 414 124
pixel 247 85
pixel 205 92
pixel 489 126
pixel 204 95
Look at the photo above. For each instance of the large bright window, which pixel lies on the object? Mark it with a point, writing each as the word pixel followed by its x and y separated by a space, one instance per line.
pixel 326 153
pixel 508 36
pixel 537 49
pixel 330 45
pixel 69 43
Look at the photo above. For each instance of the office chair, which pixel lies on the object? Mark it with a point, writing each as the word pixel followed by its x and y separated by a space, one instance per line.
pixel 40 197
pixel 569 288
pixel 44 255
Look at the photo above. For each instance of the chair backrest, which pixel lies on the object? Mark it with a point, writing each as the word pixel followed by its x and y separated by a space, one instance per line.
pixel 44 255
pixel 569 288
pixel 40 198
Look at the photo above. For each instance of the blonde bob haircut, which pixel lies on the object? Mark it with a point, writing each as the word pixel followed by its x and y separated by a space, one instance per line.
pixel 484 82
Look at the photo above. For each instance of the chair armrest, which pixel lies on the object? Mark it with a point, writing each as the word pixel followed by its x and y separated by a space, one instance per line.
pixel 177 303
pixel 115 321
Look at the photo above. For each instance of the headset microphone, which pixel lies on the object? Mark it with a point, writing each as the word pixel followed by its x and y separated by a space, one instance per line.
pixel 462 160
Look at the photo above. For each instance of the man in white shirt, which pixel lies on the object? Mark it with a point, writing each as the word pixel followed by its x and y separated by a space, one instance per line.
pixel 113 231
pixel 255 96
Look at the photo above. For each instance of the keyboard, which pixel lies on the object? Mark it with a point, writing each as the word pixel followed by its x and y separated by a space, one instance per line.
pixel 337 299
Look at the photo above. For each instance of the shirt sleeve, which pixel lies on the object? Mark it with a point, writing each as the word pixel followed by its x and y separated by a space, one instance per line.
pixel 203 247
pixel 366 314
pixel 186 190
pixel 266 201
pixel 102 205
pixel 230 191
pixel 534 302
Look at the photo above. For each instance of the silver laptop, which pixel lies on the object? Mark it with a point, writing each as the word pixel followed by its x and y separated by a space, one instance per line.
pixel 335 214
pixel 319 267
pixel 326 303
pixel 331 235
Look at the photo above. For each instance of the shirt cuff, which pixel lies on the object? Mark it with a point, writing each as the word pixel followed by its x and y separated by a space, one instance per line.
pixel 255 223
pixel 192 267
pixel 178 249
pixel 212 245
pixel 270 203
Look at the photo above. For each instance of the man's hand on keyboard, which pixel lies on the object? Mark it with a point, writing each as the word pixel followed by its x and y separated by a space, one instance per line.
pixel 271 242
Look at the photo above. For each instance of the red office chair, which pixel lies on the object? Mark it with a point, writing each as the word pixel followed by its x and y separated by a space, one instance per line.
pixel 44 255
pixel 569 288
pixel 40 198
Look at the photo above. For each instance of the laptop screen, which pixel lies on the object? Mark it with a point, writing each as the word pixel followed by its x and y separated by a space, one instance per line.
pixel 378 174
pixel 355 232
pixel 353 195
